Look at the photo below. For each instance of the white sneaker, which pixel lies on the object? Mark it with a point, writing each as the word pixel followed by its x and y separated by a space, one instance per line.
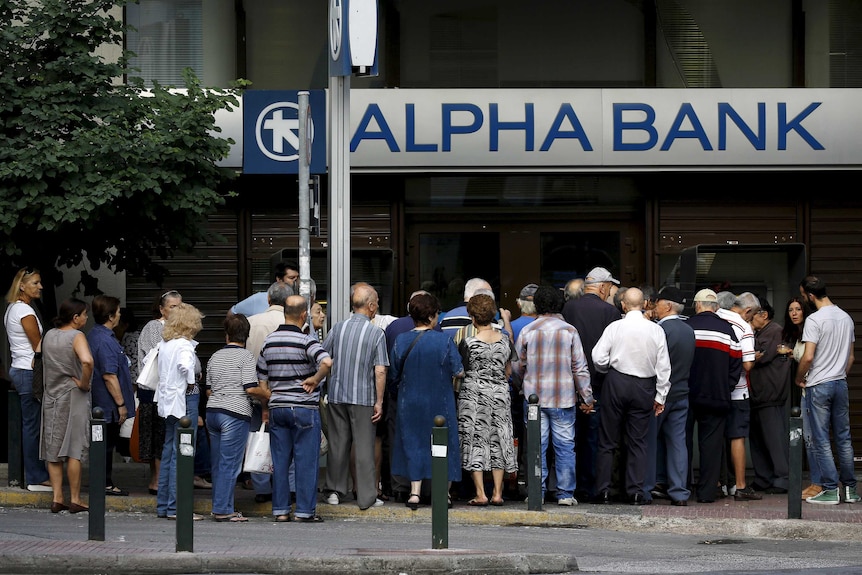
pixel 377 503
pixel 568 501
pixel 732 490
pixel 332 498
pixel 40 487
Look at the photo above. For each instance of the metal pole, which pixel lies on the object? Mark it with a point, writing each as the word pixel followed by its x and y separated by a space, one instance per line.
pixel 339 199
pixel 185 485
pixel 98 456
pixel 304 204
pixel 534 455
pixel 16 440
pixel 439 484
pixel 794 483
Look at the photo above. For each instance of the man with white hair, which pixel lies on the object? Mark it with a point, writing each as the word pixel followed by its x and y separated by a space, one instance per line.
pixel 458 317
pixel 527 307
pixel 738 312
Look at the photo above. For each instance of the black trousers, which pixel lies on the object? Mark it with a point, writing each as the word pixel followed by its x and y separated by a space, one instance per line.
pixel 769 443
pixel 627 405
pixel 710 442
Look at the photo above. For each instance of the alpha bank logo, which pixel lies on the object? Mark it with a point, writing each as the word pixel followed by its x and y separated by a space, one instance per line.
pixel 277 132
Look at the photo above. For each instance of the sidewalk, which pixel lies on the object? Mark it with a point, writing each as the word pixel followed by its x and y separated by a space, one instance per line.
pixel 725 518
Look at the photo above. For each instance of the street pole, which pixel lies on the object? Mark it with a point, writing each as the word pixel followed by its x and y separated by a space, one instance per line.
pixel 339 199
pixel 439 484
pixel 16 440
pixel 185 485
pixel 304 204
pixel 794 484
pixel 534 455
pixel 98 456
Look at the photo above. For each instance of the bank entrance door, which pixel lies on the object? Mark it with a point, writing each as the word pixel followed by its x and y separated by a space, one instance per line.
pixel 442 256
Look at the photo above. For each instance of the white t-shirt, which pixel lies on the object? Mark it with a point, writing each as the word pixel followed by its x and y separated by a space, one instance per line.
pixel 19 344
pixel 833 331
pixel 745 335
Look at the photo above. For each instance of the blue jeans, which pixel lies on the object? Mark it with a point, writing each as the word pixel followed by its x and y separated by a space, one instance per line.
pixel 31 416
pixel 666 444
pixel 166 501
pixel 228 436
pixel 294 438
pixel 558 424
pixel 813 465
pixel 828 407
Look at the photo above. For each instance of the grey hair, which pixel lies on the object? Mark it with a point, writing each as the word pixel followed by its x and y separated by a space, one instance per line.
pixel 471 287
pixel 278 293
pixel 527 306
pixel 485 291
pixel 708 305
pixel 747 300
pixel 725 299
pixel 676 308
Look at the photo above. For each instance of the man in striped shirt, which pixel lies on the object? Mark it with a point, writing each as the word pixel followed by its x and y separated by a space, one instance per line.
pixel 552 364
pixel 292 364
pixel 355 391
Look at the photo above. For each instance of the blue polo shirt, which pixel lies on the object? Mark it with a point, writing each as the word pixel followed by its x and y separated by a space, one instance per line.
pixel 109 358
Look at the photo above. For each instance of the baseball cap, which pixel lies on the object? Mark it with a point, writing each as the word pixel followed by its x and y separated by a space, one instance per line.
pixel 528 291
pixel 705 295
pixel 670 293
pixel 600 275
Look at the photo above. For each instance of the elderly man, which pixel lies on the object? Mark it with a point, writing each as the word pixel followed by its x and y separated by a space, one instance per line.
pixel 591 314
pixel 828 335
pixel 527 307
pixel 738 311
pixel 714 373
pixel 292 365
pixel 552 364
pixel 355 390
pixel 458 317
pixel 633 354
pixel 667 431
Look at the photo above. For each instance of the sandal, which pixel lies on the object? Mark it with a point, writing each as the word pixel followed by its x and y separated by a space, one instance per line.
pixel 114 490
pixel 477 503
pixel 410 504
pixel 496 503
pixel 232 518
pixel 382 496
pixel 282 519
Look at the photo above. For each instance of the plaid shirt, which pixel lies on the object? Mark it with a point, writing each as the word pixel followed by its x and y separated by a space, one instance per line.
pixel 551 361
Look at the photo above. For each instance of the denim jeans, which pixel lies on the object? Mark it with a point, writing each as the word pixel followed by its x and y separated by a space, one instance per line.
pixel 558 425
pixel 294 438
pixel 31 416
pixel 828 407
pixel 667 445
pixel 814 473
pixel 228 436
pixel 166 501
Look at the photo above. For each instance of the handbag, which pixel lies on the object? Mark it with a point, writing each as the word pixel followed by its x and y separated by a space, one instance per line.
pixel 394 383
pixel 258 457
pixel 149 377
pixel 38 376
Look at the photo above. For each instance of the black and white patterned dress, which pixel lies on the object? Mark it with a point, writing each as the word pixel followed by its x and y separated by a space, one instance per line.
pixel 484 407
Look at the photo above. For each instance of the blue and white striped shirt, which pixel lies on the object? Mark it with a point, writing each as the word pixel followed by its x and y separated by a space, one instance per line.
pixel 356 346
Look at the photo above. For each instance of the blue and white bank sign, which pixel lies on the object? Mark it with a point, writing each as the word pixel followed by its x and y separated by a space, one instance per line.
pixel 271 131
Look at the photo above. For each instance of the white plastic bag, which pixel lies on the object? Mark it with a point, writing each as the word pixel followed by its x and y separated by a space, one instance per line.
pixel 149 376
pixel 258 457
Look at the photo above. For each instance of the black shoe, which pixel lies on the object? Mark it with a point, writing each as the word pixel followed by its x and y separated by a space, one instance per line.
pixel 263 497
pixel 747 494
pixel 639 499
pixel 679 503
pixel 312 519
pixel 659 492
pixel 602 498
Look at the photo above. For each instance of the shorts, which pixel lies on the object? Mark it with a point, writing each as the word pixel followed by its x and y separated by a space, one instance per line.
pixel 738 419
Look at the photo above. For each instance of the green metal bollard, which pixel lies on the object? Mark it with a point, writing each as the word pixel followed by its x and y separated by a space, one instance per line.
pixel 15 451
pixel 794 482
pixel 185 486
pixel 439 484
pixel 98 455
pixel 534 455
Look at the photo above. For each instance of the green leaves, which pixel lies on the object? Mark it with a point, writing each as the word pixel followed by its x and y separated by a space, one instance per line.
pixel 91 167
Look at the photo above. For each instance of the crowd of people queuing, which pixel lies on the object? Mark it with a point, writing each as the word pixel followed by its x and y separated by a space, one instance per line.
pixel 622 376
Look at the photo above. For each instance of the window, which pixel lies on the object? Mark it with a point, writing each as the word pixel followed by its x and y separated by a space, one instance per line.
pixel 167 38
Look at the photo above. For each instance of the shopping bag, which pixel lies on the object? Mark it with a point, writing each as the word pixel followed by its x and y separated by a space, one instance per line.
pixel 258 457
pixel 149 376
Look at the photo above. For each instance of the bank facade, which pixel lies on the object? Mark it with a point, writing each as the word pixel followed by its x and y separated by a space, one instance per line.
pixel 530 142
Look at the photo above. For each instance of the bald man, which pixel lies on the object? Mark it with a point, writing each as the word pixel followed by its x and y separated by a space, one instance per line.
pixel 633 353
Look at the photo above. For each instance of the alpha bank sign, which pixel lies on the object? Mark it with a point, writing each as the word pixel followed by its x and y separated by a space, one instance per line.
pixel 612 129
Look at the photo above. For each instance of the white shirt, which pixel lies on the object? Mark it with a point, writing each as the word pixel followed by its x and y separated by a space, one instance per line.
pixel 263 324
pixel 177 361
pixel 745 335
pixel 19 343
pixel 638 347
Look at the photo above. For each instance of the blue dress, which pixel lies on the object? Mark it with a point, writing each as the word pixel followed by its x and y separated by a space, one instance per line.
pixel 424 393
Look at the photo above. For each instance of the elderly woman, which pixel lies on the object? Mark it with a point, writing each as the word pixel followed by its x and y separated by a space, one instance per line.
pixel 424 362
pixel 178 396
pixel 484 406
pixel 24 331
pixel 151 427
pixel 231 383
pixel 112 381
pixel 68 367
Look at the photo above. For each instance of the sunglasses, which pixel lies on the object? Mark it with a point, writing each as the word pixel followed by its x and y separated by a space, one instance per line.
pixel 28 271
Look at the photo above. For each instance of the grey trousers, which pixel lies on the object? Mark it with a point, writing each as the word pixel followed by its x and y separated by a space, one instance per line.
pixel 350 426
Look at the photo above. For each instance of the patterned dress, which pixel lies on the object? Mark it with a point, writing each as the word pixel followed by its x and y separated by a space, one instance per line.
pixel 484 407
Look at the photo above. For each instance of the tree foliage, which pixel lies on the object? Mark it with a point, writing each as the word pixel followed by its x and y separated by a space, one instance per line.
pixel 92 167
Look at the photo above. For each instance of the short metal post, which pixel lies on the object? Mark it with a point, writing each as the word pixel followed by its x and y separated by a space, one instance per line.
pixel 794 483
pixel 98 455
pixel 439 484
pixel 16 441
pixel 185 485
pixel 534 455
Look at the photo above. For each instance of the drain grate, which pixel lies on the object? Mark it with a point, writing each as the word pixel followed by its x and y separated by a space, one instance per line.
pixel 721 542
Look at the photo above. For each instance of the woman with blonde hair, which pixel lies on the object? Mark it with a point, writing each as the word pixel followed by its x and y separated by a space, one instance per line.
pixel 177 396
pixel 24 331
